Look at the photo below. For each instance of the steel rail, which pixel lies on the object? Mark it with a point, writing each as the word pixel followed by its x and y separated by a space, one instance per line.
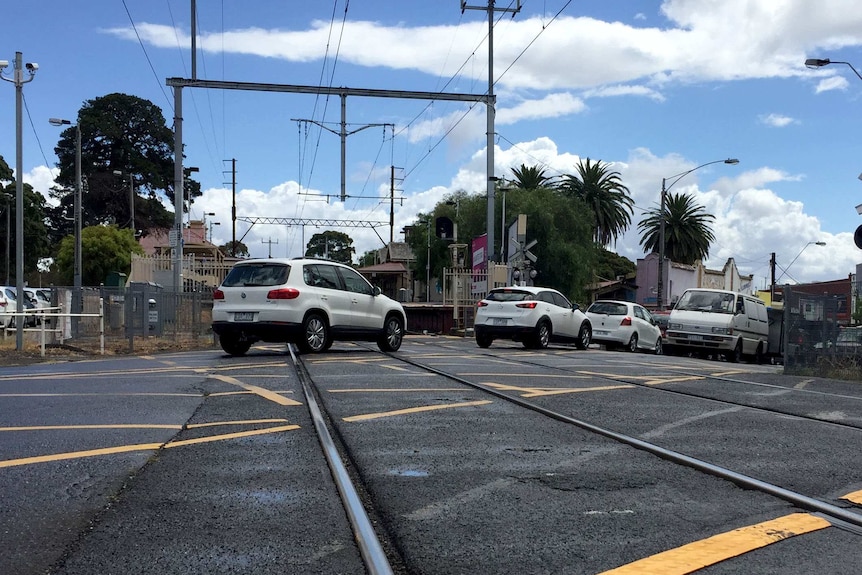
pixel 366 539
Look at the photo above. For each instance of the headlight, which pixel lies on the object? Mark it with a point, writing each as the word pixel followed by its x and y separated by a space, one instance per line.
pixel 674 326
pixel 721 330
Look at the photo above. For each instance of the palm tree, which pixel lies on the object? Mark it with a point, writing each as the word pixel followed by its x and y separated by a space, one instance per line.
pixel 531 178
pixel 602 190
pixel 687 229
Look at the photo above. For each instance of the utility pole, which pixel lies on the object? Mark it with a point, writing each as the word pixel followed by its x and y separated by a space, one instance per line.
pixel 392 203
pixel 772 278
pixel 490 106
pixel 270 242
pixel 233 206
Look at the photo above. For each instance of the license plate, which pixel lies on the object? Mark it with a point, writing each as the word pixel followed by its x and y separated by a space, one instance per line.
pixel 695 337
pixel 600 332
pixel 500 321
pixel 243 316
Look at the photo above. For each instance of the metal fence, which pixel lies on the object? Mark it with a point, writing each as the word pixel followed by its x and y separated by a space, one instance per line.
pixel 812 335
pixel 122 317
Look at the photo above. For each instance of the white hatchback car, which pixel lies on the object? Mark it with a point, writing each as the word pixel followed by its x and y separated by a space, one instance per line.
pixel 534 316
pixel 624 324
pixel 305 301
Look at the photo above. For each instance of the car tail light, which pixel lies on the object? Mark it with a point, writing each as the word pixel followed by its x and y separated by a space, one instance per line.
pixel 626 321
pixel 218 294
pixel 527 304
pixel 283 293
pixel 482 303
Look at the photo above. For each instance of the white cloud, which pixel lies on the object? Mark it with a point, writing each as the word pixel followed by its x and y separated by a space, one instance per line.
pixel 777 120
pixel 831 83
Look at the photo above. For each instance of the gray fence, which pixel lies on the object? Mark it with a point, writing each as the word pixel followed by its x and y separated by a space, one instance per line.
pixel 816 333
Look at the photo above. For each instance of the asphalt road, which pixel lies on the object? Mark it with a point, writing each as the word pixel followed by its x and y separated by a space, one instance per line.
pixel 201 463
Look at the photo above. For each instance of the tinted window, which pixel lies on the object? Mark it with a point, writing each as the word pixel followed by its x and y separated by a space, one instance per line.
pixel 546 296
pixel 322 275
pixel 561 301
pixel 355 282
pixel 261 274
pixel 509 295
pixel 609 307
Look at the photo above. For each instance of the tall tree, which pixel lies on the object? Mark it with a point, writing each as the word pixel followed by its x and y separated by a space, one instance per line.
pixel 531 178
pixel 104 249
pixel 127 134
pixel 336 246
pixel 603 192
pixel 239 250
pixel 687 229
pixel 35 233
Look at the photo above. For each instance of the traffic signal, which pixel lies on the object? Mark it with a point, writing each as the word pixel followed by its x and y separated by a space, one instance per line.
pixel 857 237
pixel 445 228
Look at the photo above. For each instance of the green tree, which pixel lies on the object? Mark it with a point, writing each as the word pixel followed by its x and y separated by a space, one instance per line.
pixel 687 229
pixel 36 242
pixel 604 194
pixel 369 258
pixel 127 134
pixel 336 246
pixel 104 249
pixel 239 250
pixel 531 178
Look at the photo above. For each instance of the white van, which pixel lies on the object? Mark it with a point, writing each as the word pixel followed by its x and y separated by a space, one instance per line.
pixel 718 322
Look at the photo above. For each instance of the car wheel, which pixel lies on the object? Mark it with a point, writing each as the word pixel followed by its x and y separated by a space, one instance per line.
pixel 393 333
pixel 657 349
pixel 735 356
pixel 585 336
pixel 633 343
pixel 315 334
pixel 483 340
pixel 233 345
pixel 542 336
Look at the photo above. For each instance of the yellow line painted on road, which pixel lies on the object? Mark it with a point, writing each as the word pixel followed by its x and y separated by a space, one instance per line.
pixel 241 422
pixel 540 375
pixel 647 379
pixel 237 435
pixel 147 394
pixel 139 447
pixel 394 389
pixel 540 391
pixel 700 554
pixel 92 426
pixel 264 393
pixel 855 497
pixel 138 371
pixel 414 410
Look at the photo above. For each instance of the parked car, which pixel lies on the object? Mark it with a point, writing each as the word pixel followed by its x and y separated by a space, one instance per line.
pixel 5 308
pixel 305 301
pixel 12 307
pixel 534 316
pixel 624 324
pixel 39 300
pixel 711 321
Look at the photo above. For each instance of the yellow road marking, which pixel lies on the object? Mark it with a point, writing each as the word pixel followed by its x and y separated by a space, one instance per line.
pixel 395 367
pixel 855 497
pixel 264 393
pixel 802 384
pixel 155 394
pixel 700 554
pixel 240 422
pixel 414 410
pixel 139 371
pixel 395 389
pixel 93 426
pixel 139 447
pixel 543 376
pixel 647 379
pixel 540 391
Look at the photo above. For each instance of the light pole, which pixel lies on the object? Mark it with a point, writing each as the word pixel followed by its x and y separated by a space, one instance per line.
pixel 211 229
pixel 820 62
pixel 428 262
pixel 19 81
pixel 662 217
pixel 76 281
pixel 131 199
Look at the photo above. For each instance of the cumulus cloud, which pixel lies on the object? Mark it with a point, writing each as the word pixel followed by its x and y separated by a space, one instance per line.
pixel 777 120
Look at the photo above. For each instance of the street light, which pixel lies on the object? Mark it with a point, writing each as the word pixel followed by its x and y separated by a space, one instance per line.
pixel 662 218
pixel 820 62
pixel 211 229
pixel 76 282
pixel 19 81
pixel 131 198
pixel 772 265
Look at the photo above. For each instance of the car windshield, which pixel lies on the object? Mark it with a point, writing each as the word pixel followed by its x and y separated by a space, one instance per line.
pixel 509 295
pixel 715 302
pixel 609 308
pixel 259 274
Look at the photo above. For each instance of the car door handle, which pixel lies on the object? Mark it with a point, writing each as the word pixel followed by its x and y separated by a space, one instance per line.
pixel 354 300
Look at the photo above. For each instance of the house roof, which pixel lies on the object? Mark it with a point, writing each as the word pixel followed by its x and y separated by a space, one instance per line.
pixel 384 268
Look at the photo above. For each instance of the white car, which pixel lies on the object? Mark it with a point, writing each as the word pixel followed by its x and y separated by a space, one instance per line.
pixel 305 301
pixel 534 316
pixel 624 324
pixel 38 298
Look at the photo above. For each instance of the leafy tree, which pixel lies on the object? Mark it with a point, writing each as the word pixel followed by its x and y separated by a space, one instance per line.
pixel 604 194
pixel 239 250
pixel 336 246
pixel 369 258
pixel 687 229
pixel 611 265
pixel 127 134
pixel 104 249
pixel 35 233
pixel 531 178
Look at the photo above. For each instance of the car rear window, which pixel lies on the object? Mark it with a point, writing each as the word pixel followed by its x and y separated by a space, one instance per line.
pixel 609 308
pixel 509 295
pixel 259 274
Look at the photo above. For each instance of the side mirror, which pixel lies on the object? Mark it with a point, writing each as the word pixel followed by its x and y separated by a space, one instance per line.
pixel 575 307
pixel 376 291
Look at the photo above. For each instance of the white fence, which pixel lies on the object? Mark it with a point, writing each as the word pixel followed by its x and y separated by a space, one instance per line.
pixel 49 323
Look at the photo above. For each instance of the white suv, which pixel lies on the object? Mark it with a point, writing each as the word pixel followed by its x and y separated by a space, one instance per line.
pixel 305 301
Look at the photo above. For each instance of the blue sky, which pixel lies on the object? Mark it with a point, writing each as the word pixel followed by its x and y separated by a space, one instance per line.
pixel 655 88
